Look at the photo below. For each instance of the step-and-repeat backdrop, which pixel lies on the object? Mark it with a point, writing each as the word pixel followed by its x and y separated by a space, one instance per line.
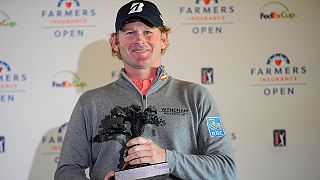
pixel 260 60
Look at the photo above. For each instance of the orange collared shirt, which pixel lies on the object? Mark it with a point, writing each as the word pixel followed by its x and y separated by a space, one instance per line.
pixel 144 85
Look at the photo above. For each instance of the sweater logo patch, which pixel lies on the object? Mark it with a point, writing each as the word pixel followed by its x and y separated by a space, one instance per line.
pixel 164 76
pixel 215 127
pixel 174 111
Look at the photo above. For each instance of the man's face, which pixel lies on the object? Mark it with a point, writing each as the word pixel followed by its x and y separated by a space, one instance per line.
pixel 140 46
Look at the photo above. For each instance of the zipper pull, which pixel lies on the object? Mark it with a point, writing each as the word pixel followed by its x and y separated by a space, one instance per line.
pixel 144 97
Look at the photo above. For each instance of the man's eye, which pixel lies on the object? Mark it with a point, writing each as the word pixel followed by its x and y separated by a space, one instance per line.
pixel 129 32
pixel 148 32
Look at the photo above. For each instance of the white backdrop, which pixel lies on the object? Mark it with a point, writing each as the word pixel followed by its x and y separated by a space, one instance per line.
pixel 264 56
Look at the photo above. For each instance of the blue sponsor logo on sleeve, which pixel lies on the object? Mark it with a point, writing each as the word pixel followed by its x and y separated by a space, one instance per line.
pixel 215 127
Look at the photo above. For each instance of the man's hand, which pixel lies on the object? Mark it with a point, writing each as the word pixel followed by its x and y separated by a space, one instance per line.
pixel 109 176
pixel 144 150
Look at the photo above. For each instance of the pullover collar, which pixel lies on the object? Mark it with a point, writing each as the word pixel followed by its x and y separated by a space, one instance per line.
pixel 160 79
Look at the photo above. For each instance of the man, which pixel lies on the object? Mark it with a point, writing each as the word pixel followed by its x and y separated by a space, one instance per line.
pixel 193 140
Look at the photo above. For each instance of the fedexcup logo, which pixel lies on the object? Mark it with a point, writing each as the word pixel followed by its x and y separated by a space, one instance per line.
pixel 136 7
pixel 276 10
pixel 5 20
pixel 66 79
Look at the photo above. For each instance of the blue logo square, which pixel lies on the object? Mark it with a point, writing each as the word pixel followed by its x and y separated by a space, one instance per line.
pixel 215 127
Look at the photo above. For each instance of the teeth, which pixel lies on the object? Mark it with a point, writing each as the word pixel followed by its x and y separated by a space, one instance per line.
pixel 140 50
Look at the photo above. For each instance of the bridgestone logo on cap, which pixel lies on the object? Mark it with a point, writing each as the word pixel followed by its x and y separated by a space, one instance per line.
pixel 136 7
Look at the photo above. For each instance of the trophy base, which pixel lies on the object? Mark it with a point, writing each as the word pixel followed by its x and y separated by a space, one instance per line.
pixel 150 172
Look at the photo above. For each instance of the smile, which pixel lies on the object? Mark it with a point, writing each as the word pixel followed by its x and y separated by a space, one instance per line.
pixel 139 51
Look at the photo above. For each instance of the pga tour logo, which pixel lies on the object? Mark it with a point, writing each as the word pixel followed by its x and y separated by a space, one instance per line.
pixel 279 137
pixel 207 75
pixel 2 143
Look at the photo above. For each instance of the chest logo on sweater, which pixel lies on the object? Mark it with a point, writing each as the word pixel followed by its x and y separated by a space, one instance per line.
pixel 215 127
pixel 174 111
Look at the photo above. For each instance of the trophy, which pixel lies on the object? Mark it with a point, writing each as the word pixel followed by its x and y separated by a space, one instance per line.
pixel 124 124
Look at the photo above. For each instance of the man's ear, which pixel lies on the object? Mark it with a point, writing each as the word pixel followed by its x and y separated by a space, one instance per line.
pixel 164 40
pixel 114 42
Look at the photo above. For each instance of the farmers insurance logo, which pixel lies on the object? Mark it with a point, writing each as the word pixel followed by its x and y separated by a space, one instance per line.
pixel 276 10
pixel 206 16
pixel 68 4
pixel 52 142
pixel 11 83
pixel 67 79
pixel 69 19
pixel 6 21
pixel 279 77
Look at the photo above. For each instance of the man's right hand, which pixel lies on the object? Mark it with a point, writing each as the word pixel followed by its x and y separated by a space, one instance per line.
pixel 109 176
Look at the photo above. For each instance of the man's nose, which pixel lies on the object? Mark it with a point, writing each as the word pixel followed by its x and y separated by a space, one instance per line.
pixel 140 37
